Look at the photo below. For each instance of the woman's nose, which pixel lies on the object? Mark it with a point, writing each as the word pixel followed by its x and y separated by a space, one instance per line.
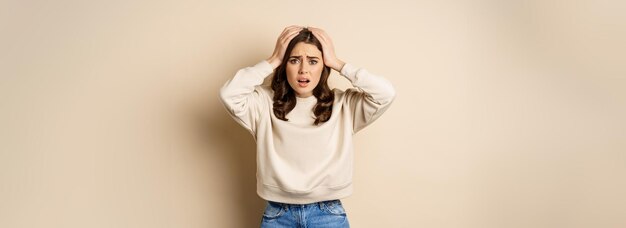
pixel 303 69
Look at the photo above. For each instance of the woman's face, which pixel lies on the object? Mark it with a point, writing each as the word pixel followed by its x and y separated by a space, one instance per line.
pixel 304 68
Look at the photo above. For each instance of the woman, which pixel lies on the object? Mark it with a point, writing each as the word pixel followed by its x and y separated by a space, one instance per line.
pixel 302 128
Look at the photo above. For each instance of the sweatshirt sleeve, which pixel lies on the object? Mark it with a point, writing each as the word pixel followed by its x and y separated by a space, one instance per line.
pixel 242 97
pixel 370 99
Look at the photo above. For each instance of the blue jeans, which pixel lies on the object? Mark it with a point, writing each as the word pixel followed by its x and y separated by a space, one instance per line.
pixel 329 214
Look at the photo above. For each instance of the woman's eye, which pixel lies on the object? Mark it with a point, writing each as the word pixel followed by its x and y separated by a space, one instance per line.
pixel 313 62
pixel 293 61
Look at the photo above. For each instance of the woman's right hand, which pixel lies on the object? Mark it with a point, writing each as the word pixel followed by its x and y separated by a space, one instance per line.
pixel 281 44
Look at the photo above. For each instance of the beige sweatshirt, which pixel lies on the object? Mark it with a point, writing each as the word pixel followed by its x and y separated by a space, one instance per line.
pixel 298 162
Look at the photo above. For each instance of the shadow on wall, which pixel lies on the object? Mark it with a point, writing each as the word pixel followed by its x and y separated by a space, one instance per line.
pixel 238 151
pixel 233 146
pixel 226 144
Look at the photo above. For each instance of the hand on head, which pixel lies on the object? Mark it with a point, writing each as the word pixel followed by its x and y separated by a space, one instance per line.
pixel 281 44
pixel 330 59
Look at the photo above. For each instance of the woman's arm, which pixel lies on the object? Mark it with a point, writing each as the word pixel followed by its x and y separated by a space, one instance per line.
pixel 240 96
pixel 374 93
pixel 373 96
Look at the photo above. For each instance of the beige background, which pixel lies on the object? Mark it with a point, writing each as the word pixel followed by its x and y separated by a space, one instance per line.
pixel 509 113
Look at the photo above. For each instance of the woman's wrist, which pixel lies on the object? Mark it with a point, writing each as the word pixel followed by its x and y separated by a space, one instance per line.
pixel 338 65
pixel 275 62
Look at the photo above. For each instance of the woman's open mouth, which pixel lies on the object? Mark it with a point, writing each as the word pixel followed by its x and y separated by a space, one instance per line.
pixel 303 82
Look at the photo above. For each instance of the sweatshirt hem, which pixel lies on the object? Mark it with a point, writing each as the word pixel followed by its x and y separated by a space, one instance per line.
pixel 323 193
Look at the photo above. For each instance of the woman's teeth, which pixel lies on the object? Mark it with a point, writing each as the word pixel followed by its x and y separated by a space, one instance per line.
pixel 303 82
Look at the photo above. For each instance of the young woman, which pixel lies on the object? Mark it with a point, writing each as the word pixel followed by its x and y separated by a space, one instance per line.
pixel 302 128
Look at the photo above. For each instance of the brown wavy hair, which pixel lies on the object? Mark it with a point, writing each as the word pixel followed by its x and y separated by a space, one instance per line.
pixel 284 95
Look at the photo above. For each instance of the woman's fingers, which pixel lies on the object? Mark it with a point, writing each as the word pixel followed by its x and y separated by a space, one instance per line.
pixel 319 33
pixel 291 36
pixel 292 33
pixel 291 28
pixel 282 42
pixel 330 59
pixel 289 33
pixel 285 32
pixel 324 39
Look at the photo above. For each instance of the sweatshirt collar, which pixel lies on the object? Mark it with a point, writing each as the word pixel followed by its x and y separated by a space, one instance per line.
pixel 308 99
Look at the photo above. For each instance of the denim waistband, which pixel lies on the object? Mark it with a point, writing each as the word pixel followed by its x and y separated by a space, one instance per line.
pixel 335 201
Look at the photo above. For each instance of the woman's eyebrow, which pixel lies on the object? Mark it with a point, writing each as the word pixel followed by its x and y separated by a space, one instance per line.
pixel 299 56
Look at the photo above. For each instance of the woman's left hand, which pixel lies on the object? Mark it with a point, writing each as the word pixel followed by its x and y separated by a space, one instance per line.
pixel 330 59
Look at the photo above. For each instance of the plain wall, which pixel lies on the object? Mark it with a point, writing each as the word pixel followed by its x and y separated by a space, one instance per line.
pixel 508 113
